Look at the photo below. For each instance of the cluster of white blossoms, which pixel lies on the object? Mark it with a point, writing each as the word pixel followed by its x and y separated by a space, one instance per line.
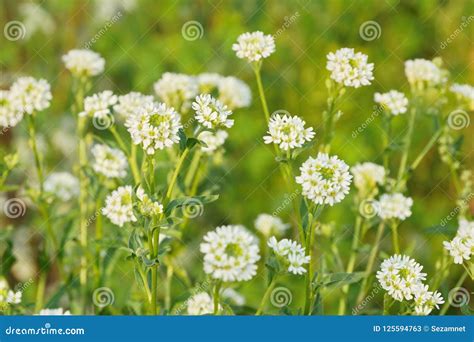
pixel 394 102
pixel 154 127
pixel 30 94
pixel 211 113
pixel 119 206
pixel 146 205
pixel 108 161
pixel 200 304
pixel 367 176
pixel 324 179
pixel 213 140
pixel 402 278
pixel 99 105
pixel 84 63
pixel 269 224
pixel 8 296
pixel 176 90
pixel 464 92
pixel 10 115
pixel 63 185
pixel 129 103
pixel 54 312
pixel 291 253
pixel 254 46
pixel 421 73
pixel 288 132
pixel 350 68
pixel 234 93
pixel 394 206
pixel 230 253
pixel 461 248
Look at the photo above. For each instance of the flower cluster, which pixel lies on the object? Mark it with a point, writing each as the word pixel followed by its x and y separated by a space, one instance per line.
pixel 422 73
pixel 212 140
pixel 393 101
pixel 324 179
pixel 230 253
pixel 291 253
pixel 146 205
pixel 84 63
pixel 254 46
pixel 99 105
pixel 394 206
pixel 350 68
pixel 465 93
pixel 211 113
pixel 367 176
pixel 234 93
pixel 8 296
pixel 176 90
pixel 63 185
pixel 119 207
pixel 402 278
pixel 10 115
pixel 288 132
pixel 154 127
pixel 128 104
pixel 200 304
pixel 30 95
pixel 462 246
pixel 269 224
pixel 108 161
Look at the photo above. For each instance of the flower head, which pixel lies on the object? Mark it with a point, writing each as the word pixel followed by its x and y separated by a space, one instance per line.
pixel 119 207
pixel 393 101
pixel 461 248
pixel 129 104
pixel 288 132
pixel 63 185
pixel 254 46
pixel 230 253
pixel 10 115
pixel 423 73
pixel 146 205
pixel 108 161
pixel 269 224
pixel 234 93
pixel 154 127
pixel 367 176
pixel 324 179
pixel 200 304
pixel 99 105
pixel 350 68
pixel 394 206
pixel 8 296
pixel 176 90
pixel 208 81
pixel 84 63
pixel 212 140
pixel 29 94
pixel 211 113
pixel 291 253
pixel 465 93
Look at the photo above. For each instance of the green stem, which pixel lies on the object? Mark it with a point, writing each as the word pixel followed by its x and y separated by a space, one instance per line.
pixel 217 288
pixel 387 125
pixel 407 145
pixel 174 177
pixel 309 269
pixel 40 290
pixel 133 164
pixel 395 242
pixel 426 149
pixel 98 238
pixel 191 174
pixel 144 280
pixel 261 92
pixel 447 304
pixel 264 301
pixel 169 278
pixel 387 303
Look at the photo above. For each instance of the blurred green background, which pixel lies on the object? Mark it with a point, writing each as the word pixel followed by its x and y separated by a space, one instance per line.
pixel 147 41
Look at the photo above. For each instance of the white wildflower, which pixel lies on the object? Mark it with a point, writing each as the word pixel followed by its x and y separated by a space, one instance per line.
pixel 269 224
pixel 176 90
pixel 461 248
pixel 207 82
pixel 211 113
pixel 393 101
pixel 234 93
pixel 254 46
pixel 200 304
pixel 84 63
pixel 291 253
pixel 146 205
pixel 119 207
pixel 288 132
pixel 108 161
pixel 394 206
pixel 464 92
pixel 367 176
pixel 99 105
pixel 422 73
pixel 212 140
pixel 63 185
pixel 129 104
pixel 29 94
pixel 350 68
pixel 10 115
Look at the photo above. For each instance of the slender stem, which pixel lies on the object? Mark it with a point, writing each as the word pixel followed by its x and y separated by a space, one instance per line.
pixel 217 288
pixel 144 280
pixel 264 301
pixel 174 177
pixel 426 149
pixel 98 237
pixel 191 174
pixel 407 145
pixel 169 278
pixel 34 147
pixel 395 240
pixel 387 303
pixel 387 125
pixel 132 160
pixel 447 304
pixel 261 92
pixel 40 292
pixel 153 241
pixel 309 269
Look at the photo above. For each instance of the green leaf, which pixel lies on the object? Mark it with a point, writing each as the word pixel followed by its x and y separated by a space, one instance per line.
pixel 182 139
pixel 191 142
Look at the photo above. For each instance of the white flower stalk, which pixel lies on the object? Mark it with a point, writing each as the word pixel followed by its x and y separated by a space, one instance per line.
pixel 8 296
pixel 54 312
pixel 62 185
pixel 288 132
pixel 84 63
pixel 394 206
pixel 465 93
pixel 234 93
pixel 211 113
pixel 200 304
pixel 99 106
pixel 176 90
pixel 230 254
pixel 212 140
pixel 154 127
pixel 422 73
pixel 270 225
pixel 254 46
pixel 129 104
pixel 291 253
pixel 119 207
pixel 350 68
pixel 147 206
pixel 324 179
pixel 461 248
pixel 10 115
pixel 29 94
pixel 208 82
pixel 393 101
pixel 109 162
pixel 367 176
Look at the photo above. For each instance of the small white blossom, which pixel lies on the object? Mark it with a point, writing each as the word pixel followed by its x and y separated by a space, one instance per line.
pixel 200 304
pixel 461 248
pixel 291 253
pixel 324 179
pixel 421 73
pixel 269 224
pixel 146 205
pixel 10 115
pixel 176 90
pixel 288 132
pixel 211 113
pixel 254 46
pixel 128 104
pixel 464 92
pixel 234 93
pixel 29 94
pixel 212 140
pixel 63 185
pixel 99 105
pixel 393 101
pixel 84 63
pixel 230 254
pixel 367 176
pixel 108 161
pixel 350 68
pixel 14 297
pixel 394 206
pixel 54 312
pixel 119 207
